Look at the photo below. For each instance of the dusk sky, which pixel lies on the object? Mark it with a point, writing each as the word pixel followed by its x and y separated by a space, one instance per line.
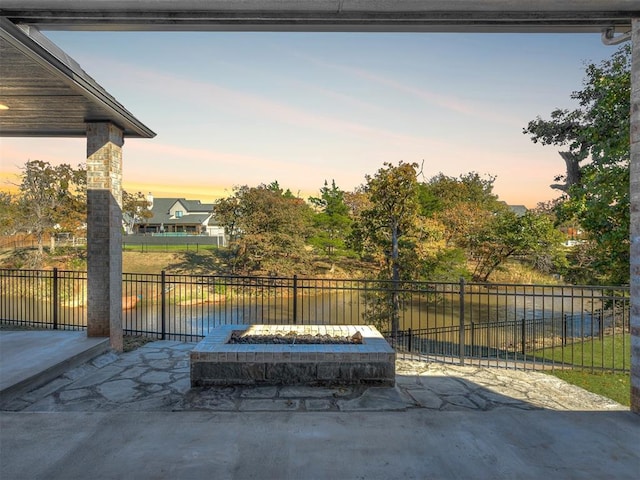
pixel 249 108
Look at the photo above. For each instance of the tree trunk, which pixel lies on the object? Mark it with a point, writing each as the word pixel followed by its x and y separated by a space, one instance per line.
pixel 395 268
pixel 40 237
pixel 573 176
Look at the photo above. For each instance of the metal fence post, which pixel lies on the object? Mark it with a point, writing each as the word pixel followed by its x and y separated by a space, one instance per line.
pixel 56 299
pixel 600 326
pixel 461 330
pixel 473 338
pixel 523 338
pixel 163 289
pixel 295 299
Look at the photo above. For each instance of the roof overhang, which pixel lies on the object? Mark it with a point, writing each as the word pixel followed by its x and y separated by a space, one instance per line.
pixel 327 15
pixel 48 94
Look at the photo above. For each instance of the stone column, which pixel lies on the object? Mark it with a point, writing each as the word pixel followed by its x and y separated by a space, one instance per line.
pixel 635 217
pixel 104 232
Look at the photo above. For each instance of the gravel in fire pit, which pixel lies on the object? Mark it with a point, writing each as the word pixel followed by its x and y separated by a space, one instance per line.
pixel 238 336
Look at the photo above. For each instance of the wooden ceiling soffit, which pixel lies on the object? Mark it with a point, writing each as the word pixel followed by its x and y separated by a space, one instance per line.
pixel 48 94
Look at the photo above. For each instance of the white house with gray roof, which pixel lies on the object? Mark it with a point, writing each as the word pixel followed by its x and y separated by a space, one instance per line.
pixel 178 217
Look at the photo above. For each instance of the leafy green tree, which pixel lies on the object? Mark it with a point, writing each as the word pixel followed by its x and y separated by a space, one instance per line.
pixel 227 212
pixel 135 208
pixel 357 201
pixel 392 213
pixel 481 231
pixel 275 187
pixel 596 134
pixel 8 212
pixel 267 229
pixel 443 193
pixel 52 196
pixel 532 235
pixel 332 222
pixel 465 206
pixel 388 227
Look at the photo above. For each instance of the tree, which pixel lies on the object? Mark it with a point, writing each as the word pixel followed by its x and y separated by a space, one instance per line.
pixel 388 226
pixel 596 134
pixel 482 231
pixel 276 188
pixel 52 198
pixel 332 222
pixel 532 234
pixel 267 229
pixel 8 212
pixel 464 205
pixel 228 212
pixel 442 193
pixel 135 209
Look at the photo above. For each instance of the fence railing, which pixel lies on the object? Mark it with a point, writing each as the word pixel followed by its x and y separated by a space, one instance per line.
pixel 16 242
pixel 172 242
pixel 523 326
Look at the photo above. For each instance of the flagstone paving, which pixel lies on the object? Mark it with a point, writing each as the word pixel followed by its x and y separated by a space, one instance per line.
pixel 155 377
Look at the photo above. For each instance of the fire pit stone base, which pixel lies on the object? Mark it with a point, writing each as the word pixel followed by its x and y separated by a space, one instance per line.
pixel 214 361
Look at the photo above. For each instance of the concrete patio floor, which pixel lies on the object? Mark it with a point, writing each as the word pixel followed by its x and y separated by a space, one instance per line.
pixel 31 358
pixel 134 415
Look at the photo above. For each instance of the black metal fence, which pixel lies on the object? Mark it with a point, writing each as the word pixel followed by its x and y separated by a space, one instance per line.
pixel 171 242
pixel 521 326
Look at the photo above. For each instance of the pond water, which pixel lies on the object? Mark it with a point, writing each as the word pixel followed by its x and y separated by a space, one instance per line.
pixel 440 311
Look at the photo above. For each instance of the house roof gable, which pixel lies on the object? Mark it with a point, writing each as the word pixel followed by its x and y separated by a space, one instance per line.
pixel 194 211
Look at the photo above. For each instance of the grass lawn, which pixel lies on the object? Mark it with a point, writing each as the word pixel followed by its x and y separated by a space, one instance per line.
pixel 167 248
pixel 615 386
pixel 613 352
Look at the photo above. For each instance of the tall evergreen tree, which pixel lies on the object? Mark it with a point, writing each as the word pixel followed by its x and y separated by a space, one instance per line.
pixel 332 222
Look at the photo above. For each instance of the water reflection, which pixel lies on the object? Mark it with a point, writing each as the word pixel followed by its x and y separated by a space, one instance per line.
pixel 508 317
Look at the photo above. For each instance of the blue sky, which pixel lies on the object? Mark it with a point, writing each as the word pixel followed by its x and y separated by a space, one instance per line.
pixel 249 108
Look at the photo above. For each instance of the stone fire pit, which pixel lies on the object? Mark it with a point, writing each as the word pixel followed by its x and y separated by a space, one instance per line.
pixel 364 357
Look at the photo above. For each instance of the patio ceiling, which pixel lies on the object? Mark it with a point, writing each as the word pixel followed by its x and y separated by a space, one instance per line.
pixel 326 15
pixel 43 92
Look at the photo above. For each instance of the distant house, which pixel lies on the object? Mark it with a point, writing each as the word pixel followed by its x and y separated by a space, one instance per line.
pixel 519 210
pixel 178 217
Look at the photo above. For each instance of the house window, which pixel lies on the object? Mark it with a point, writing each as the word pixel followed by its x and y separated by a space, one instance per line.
pixel 178 213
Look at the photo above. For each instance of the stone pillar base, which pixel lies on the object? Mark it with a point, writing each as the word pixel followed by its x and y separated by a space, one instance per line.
pixel 104 232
